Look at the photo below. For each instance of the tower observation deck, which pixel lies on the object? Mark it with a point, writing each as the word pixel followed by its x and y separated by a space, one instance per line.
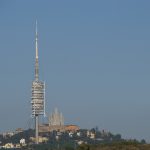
pixel 38 92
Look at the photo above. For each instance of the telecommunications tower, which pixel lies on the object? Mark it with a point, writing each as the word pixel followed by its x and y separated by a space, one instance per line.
pixel 38 93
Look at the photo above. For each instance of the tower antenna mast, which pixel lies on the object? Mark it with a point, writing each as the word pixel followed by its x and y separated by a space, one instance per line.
pixel 36 55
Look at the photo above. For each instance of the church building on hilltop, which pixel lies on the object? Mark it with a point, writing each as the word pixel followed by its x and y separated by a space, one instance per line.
pixel 56 118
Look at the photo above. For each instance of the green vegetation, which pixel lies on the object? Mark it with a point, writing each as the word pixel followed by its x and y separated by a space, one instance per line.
pixel 126 145
pixel 116 146
pixel 102 140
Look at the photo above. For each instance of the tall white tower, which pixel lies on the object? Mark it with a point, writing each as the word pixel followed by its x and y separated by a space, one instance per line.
pixel 38 92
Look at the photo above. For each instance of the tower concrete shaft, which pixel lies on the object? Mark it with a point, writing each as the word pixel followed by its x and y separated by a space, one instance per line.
pixel 36 129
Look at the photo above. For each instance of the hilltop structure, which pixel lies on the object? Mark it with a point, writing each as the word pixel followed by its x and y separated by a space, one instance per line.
pixel 38 92
pixel 56 123
pixel 56 118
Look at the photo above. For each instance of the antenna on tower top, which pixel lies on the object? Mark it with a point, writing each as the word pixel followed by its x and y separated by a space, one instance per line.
pixel 36 55
pixel 36 40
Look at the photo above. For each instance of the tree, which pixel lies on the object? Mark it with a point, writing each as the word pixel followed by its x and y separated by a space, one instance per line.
pixel 143 141
pixel 83 147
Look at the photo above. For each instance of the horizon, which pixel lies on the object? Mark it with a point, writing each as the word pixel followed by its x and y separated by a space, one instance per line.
pixel 93 57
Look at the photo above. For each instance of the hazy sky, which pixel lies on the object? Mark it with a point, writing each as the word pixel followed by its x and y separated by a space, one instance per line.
pixel 94 57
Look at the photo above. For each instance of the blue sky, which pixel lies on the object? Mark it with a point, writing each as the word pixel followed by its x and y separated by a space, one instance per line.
pixel 94 57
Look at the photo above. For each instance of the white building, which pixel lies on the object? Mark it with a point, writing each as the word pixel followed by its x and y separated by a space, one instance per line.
pixel 22 141
pixel 78 133
pixel 8 145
